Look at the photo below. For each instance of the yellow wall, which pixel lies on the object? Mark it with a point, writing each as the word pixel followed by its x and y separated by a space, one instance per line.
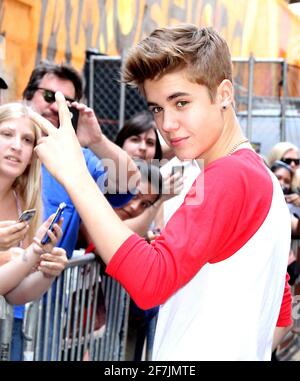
pixel 62 30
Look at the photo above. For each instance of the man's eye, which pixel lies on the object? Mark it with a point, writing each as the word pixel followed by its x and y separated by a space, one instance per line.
pixel 181 103
pixel 155 110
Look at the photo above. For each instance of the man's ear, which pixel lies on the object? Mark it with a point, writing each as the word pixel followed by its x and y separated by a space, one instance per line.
pixel 225 94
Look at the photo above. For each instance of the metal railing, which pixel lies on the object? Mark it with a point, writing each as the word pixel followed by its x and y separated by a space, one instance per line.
pixel 83 315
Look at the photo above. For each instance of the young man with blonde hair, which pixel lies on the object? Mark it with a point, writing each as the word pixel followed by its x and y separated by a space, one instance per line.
pixel 218 268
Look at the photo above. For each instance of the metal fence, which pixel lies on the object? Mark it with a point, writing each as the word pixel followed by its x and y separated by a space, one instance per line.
pixel 112 101
pixel 267 97
pixel 83 316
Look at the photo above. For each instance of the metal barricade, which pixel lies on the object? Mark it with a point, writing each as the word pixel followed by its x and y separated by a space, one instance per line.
pixel 82 316
pixel 6 326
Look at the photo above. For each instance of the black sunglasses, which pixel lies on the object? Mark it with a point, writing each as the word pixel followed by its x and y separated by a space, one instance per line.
pixel 49 95
pixel 289 161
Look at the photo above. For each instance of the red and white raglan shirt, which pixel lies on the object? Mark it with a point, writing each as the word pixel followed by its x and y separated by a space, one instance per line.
pixel 218 268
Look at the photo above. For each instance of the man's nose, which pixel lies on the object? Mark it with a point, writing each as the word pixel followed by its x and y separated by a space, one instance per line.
pixel 170 123
pixel 54 107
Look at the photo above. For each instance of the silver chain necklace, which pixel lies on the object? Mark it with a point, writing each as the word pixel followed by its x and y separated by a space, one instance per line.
pixel 236 146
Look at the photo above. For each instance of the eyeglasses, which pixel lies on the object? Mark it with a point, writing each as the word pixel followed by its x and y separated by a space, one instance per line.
pixel 49 95
pixel 289 161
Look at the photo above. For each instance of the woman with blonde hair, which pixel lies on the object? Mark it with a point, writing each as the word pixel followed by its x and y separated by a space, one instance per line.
pixel 20 180
pixel 20 249
pixel 286 152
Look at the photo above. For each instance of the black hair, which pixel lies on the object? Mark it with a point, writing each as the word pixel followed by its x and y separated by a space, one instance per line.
pixel 280 164
pixel 63 71
pixel 139 123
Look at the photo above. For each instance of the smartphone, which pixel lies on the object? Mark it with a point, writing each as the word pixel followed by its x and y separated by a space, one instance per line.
pixel 74 117
pixel 27 215
pixel 55 219
pixel 178 168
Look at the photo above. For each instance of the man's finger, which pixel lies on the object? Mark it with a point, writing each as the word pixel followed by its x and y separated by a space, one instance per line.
pixel 41 122
pixel 63 111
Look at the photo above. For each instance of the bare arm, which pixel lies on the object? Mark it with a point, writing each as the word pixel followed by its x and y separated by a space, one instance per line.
pixel 25 260
pixel 120 166
pixel 86 197
pixel 5 256
pixel 279 334
pixel 123 168
pixel 37 283
pixel 12 273
pixel 59 151
pixel 141 223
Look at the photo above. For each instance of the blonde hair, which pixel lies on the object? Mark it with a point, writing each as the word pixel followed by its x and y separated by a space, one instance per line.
pixel 28 184
pixel 279 150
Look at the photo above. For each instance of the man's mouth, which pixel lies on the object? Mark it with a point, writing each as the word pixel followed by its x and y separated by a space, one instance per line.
pixel 178 141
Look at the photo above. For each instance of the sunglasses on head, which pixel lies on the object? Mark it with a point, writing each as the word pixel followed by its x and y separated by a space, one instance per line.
pixel 289 161
pixel 49 95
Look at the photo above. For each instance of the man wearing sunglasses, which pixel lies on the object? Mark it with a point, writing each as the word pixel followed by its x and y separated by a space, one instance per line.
pixel 45 80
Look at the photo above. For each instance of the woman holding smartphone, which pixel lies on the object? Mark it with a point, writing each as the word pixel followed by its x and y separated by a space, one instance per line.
pixel 19 191
pixel 19 176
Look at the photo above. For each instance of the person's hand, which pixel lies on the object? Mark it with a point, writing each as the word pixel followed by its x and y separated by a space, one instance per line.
pixel 293 198
pixel 172 185
pixel 12 233
pixel 36 248
pixel 54 236
pixel 88 130
pixel 59 150
pixel 53 263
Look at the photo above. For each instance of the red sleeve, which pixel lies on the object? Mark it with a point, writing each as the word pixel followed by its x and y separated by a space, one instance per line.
pixel 285 313
pixel 90 249
pixel 219 215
